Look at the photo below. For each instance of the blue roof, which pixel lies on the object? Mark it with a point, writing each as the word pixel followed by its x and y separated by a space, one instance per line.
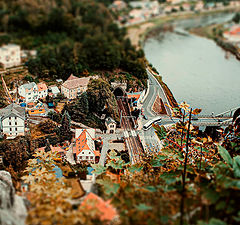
pixel 50 104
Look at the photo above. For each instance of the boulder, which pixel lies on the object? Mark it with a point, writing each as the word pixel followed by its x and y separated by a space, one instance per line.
pixel 12 208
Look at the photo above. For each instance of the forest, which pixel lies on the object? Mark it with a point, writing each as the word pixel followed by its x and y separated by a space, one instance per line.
pixel 70 37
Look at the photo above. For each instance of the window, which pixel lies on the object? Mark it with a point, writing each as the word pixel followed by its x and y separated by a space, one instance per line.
pixel 91 157
pixel 15 117
pixel 80 157
pixel 10 129
pixel 16 129
pixel 86 157
pixel 10 123
pixel 82 152
pixel 15 123
pixel 10 118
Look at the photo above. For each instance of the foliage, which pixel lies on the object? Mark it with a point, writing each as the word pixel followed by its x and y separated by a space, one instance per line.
pixel 150 191
pixel 52 198
pixel 236 18
pixel 47 126
pixel 54 116
pixel 15 154
pixel 71 37
pixel 101 97
pixel 65 132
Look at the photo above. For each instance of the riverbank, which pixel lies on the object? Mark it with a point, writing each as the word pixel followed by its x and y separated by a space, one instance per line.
pixel 214 32
pixel 139 32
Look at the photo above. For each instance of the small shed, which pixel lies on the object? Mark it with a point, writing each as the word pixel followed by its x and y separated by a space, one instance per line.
pixel 111 125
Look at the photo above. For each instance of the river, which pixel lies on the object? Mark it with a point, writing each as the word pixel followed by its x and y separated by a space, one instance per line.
pixel 195 68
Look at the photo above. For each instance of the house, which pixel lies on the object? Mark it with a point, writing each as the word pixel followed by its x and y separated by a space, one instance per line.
pixel 53 91
pixel 199 6
pixel 136 13
pixel 233 35
pixel 29 92
pixel 107 212
pixel 10 55
pixel 111 125
pixel 42 90
pixel 12 120
pixel 173 2
pixel 74 86
pixel 186 6
pixel 118 5
pixel 85 146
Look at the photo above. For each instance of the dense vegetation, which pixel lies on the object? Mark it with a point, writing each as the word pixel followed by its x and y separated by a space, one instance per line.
pixel 89 107
pixel 70 36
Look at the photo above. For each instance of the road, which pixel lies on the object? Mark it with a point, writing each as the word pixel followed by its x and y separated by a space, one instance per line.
pixel 151 139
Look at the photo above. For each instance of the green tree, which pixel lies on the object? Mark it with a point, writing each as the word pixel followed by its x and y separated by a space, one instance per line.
pixel 65 132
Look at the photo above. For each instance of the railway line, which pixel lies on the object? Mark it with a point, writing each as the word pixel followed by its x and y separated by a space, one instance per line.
pixel 128 124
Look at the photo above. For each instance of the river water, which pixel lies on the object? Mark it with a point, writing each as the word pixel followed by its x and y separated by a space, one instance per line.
pixel 195 68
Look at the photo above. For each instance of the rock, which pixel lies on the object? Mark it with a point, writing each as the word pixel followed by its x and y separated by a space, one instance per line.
pixel 12 208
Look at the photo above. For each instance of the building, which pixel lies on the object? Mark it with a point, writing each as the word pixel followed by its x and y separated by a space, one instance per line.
pixel 233 35
pixel 12 120
pixel 199 6
pixel 173 2
pixel 29 92
pixel 53 91
pixel 85 146
pixel 111 125
pixel 10 55
pixel 42 90
pixel 118 5
pixel 74 86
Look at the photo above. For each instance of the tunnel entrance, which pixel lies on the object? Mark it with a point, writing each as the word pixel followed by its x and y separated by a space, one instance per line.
pixel 118 92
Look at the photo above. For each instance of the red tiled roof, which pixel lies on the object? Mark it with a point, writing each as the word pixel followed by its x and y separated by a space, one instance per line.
pixel 42 87
pixel 107 211
pixel 235 31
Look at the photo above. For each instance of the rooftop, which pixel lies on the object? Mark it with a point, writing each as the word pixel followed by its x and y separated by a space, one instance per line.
pixel 74 82
pixel 12 109
pixel 42 87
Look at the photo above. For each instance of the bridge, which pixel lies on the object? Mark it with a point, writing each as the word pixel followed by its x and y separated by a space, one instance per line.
pixel 221 119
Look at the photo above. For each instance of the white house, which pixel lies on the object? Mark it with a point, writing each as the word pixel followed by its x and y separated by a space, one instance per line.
pixel 12 120
pixel 10 55
pixel 53 91
pixel 111 125
pixel 29 92
pixel 42 90
pixel 85 146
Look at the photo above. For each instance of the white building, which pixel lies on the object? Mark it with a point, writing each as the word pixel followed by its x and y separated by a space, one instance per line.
pixel 42 90
pixel 111 125
pixel 10 55
pixel 53 91
pixel 29 92
pixel 85 146
pixel 12 120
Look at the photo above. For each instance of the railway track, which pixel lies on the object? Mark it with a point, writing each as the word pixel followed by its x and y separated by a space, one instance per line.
pixel 128 124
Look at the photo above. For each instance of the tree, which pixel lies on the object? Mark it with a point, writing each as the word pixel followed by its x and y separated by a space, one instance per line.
pixel 236 18
pixel 101 97
pixel 65 128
